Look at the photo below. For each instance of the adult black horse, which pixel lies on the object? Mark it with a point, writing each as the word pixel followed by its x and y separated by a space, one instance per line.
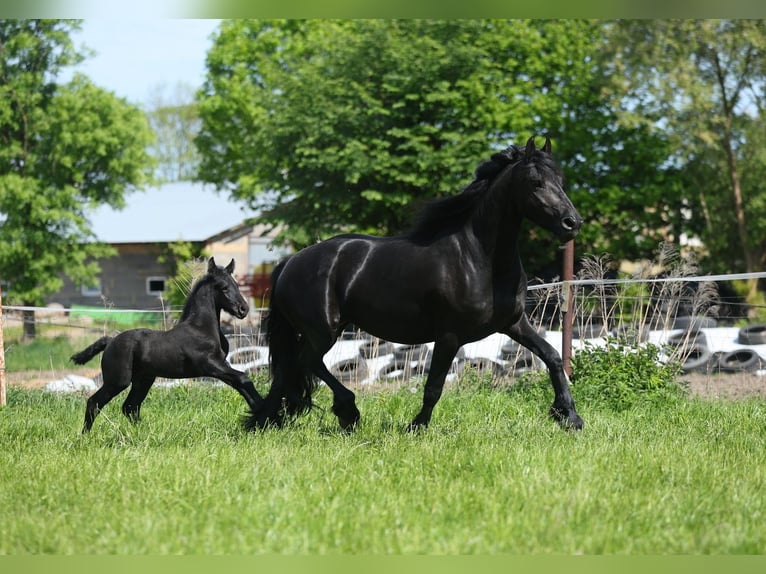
pixel 194 347
pixel 456 277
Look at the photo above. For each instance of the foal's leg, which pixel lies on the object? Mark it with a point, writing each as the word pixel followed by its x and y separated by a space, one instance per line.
pixel 444 352
pixel 116 380
pixel 219 369
pixel 563 408
pixel 131 408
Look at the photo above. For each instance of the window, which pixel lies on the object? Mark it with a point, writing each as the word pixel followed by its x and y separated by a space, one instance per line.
pixel 155 285
pixel 92 290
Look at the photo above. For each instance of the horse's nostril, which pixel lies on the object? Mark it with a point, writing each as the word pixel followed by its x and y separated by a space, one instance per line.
pixel 569 223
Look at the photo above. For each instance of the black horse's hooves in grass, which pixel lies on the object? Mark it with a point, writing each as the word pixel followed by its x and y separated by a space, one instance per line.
pixel 568 420
pixel 349 426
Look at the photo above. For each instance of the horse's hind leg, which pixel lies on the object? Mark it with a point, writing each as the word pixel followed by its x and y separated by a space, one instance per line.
pixel 131 408
pixel 444 352
pixel 344 401
pixel 99 400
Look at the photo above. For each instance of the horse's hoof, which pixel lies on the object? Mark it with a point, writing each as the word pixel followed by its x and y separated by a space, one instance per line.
pixel 348 415
pixel 568 419
pixel 348 426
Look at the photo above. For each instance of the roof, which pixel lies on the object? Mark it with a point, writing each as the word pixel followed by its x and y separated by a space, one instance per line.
pixel 179 211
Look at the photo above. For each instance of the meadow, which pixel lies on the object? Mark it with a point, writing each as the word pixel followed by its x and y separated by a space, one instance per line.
pixel 492 474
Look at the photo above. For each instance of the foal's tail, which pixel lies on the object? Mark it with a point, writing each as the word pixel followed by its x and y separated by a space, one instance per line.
pixel 89 352
pixel 292 384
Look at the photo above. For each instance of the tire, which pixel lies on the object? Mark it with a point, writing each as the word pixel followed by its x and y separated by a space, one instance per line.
pixel 694 323
pixel 408 353
pixel 740 361
pixel 351 371
pixel 696 358
pixel 375 348
pixel 527 361
pixel 752 335
pixel 687 338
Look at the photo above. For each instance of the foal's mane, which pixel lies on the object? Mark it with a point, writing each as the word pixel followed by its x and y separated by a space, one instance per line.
pixel 189 305
pixel 449 213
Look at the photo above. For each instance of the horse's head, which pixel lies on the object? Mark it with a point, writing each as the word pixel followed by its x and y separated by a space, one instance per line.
pixel 539 190
pixel 227 294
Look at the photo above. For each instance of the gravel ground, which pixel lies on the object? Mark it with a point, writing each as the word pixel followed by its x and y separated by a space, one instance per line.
pixel 724 386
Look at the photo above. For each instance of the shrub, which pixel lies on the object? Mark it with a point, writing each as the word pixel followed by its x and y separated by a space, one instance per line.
pixel 619 375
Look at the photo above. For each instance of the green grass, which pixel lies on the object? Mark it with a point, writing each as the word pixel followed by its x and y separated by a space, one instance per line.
pixel 491 475
pixel 44 352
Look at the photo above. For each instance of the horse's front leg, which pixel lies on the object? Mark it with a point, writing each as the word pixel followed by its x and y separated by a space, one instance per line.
pixel 563 408
pixel 445 349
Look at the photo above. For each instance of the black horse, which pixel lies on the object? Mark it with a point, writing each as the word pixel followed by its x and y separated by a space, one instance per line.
pixel 194 347
pixel 456 277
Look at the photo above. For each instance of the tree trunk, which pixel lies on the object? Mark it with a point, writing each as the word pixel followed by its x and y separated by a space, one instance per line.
pixel 28 322
pixel 739 212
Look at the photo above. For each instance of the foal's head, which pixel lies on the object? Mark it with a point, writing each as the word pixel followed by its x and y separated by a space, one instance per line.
pixel 538 188
pixel 226 290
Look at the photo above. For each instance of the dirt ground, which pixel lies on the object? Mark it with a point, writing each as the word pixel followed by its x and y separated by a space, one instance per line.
pixel 723 386
pixel 726 386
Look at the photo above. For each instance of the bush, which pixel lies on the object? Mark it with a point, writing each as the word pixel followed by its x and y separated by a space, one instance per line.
pixel 614 377
pixel 619 376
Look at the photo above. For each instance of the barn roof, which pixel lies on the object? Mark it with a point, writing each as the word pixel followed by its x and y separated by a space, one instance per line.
pixel 179 211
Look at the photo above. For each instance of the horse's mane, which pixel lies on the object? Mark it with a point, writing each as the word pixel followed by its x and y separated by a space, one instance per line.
pixel 189 305
pixel 449 213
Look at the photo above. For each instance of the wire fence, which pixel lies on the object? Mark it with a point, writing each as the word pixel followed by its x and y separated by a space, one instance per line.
pixel 701 321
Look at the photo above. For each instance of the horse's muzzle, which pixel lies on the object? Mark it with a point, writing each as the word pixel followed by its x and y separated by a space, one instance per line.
pixel 569 226
pixel 242 311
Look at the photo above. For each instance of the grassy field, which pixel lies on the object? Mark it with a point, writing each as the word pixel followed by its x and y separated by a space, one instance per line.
pixel 491 475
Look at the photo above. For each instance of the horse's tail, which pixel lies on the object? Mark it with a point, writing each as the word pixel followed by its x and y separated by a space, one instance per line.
pixel 89 352
pixel 292 384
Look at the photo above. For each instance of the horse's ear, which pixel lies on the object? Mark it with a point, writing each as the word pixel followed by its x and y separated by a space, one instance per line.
pixel 211 266
pixel 529 148
pixel 547 145
pixel 230 267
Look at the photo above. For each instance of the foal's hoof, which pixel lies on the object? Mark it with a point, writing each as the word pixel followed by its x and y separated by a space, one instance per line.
pixel 568 419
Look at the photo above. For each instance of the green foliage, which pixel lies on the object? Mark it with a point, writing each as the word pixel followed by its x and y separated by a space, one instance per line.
pixel 620 376
pixel 492 475
pixel 63 147
pixel 331 126
pixel 702 83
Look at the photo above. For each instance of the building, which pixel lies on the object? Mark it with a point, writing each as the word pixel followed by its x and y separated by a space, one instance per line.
pixel 136 277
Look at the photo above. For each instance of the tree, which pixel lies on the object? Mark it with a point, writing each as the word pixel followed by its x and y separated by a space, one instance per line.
pixel 703 82
pixel 331 126
pixel 63 147
pixel 175 121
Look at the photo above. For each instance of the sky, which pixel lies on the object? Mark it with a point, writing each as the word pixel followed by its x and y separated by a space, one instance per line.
pixel 136 57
